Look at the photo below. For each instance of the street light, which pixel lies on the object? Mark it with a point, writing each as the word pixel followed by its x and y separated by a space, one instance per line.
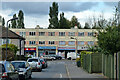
pixel 7 34
pixel 76 45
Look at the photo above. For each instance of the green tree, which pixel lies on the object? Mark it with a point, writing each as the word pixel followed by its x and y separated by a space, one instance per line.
pixel 20 20
pixel 53 16
pixel 86 26
pixel 63 22
pixel 74 22
pixel 109 40
pixel 14 22
pixel 3 21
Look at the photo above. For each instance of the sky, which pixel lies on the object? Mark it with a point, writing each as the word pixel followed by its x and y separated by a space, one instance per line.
pixel 37 12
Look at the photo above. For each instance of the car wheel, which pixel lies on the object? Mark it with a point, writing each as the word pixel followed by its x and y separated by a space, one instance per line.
pixel 30 77
pixel 40 70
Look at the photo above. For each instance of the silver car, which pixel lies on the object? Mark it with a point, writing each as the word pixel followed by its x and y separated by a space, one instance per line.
pixel 35 63
pixel 24 69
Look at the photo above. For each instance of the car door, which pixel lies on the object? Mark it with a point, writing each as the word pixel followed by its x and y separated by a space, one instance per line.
pixel 11 72
pixel 29 72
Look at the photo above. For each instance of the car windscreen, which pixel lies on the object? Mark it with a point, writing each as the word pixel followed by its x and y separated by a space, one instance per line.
pixel 18 64
pixel 33 60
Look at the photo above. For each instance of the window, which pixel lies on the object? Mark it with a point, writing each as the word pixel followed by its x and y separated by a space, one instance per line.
pixel 41 33
pixel 61 42
pixel 51 33
pixel 71 42
pixel 32 33
pixel 81 34
pixel 41 42
pixel 90 43
pixel 4 41
pixel 80 42
pixel 61 33
pixel 51 42
pixel 90 33
pixel 22 34
pixel 71 33
pixel 31 42
pixel 9 67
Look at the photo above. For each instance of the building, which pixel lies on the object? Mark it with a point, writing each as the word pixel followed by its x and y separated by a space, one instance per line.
pixel 13 38
pixel 56 41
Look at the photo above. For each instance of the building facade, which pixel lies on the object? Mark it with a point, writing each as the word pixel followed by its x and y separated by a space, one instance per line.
pixel 56 41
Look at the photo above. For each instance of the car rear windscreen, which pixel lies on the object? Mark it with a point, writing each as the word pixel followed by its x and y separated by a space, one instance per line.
pixel 18 64
pixel 33 60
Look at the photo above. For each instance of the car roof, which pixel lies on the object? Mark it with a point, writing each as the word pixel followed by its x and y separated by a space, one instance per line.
pixel 18 61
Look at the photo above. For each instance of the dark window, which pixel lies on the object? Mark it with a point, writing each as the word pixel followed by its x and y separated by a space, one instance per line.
pixel 61 33
pixel 33 60
pixel 51 33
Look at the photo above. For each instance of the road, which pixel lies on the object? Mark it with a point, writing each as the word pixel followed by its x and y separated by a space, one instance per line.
pixel 62 69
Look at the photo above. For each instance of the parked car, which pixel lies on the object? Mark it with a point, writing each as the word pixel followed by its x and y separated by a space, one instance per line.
pixel 56 57
pixel 44 63
pixel 71 55
pixel 24 69
pixel 49 57
pixel 7 71
pixel 35 63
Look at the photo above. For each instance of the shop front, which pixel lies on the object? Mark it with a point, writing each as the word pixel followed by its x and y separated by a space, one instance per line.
pixel 30 52
pixel 46 50
pixel 63 51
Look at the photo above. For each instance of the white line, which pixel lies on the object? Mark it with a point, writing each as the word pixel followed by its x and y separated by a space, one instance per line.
pixel 60 75
pixel 68 74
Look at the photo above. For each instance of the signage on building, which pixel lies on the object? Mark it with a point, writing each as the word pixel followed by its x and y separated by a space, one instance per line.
pixel 30 49
pixel 82 48
pixel 66 48
pixel 47 47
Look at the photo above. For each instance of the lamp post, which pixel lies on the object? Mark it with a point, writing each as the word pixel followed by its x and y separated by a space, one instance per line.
pixel 76 45
pixel 7 34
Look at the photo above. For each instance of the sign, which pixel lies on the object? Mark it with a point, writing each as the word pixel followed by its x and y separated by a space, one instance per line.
pixel 47 47
pixel 66 48
pixel 30 49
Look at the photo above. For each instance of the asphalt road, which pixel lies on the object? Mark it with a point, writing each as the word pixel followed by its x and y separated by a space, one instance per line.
pixel 56 69
pixel 64 70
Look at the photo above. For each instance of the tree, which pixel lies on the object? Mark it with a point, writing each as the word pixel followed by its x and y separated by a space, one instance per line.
pixel 86 26
pixel 14 22
pixel 109 40
pixel 63 22
pixel 53 16
pixel 20 20
pixel 3 21
pixel 74 22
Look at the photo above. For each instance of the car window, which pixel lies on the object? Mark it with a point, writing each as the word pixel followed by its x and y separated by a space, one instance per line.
pixel 2 68
pixel 9 67
pixel 18 64
pixel 33 60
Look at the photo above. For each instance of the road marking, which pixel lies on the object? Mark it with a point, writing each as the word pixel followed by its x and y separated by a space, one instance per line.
pixel 60 75
pixel 68 74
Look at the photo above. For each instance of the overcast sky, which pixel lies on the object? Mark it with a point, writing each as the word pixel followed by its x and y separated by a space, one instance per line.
pixel 37 13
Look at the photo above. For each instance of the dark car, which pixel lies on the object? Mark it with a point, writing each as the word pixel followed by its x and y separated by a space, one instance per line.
pixel 58 57
pixel 24 69
pixel 7 71
pixel 44 63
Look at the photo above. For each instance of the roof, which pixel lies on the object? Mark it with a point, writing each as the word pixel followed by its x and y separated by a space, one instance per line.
pixel 11 34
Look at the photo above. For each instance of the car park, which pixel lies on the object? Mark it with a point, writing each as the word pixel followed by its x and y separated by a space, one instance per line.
pixel 35 63
pixel 23 68
pixel 44 63
pixel 7 71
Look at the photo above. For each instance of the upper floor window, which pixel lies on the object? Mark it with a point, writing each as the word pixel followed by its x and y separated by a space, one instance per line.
pixel 71 33
pixel 90 43
pixel 4 41
pixel 81 34
pixel 51 33
pixel 23 34
pixel 61 42
pixel 32 33
pixel 71 42
pixel 90 33
pixel 80 42
pixel 41 33
pixel 51 42
pixel 31 42
pixel 41 42
pixel 61 33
